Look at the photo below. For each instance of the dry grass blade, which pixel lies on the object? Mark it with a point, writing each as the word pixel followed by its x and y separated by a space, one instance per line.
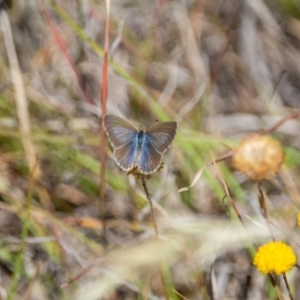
pixel 20 95
pixel 62 46
pixel 200 237
pixel 226 71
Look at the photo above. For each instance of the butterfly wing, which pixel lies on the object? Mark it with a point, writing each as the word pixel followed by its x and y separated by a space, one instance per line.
pixel 122 135
pixel 125 157
pixel 161 135
pixel 158 139
pixel 118 131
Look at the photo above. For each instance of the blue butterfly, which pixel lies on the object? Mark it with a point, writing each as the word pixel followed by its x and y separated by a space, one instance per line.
pixel 138 150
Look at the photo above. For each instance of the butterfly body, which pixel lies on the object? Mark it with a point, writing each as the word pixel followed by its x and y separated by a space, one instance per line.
pixel 138 150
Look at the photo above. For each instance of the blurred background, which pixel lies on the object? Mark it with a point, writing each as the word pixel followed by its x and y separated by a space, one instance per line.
pixel 221 69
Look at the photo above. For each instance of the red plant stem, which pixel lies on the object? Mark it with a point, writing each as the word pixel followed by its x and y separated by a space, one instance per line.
pixel 61 44
pixel 294 115
pixel 103 101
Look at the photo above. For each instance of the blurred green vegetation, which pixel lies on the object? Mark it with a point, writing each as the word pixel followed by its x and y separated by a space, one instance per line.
pixel 148 80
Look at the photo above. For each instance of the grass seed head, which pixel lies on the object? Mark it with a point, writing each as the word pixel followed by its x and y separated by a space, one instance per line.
pixel 258 156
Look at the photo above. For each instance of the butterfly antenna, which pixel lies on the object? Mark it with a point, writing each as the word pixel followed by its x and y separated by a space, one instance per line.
pixel 144 182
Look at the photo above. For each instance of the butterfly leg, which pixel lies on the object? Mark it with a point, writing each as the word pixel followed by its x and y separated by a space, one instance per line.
pixel 161 166
pixel 132 171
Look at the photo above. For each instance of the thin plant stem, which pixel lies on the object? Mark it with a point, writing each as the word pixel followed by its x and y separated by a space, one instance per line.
pixel 141 91
pixel 143 178
pixel 228 193
pixel 22 105
pixel 272 278
pixel 66 53
pixel 293 115
pixel 20 94
pixel 181 296
pixel 276 287
pixel 24 234
pixel 144 182
pixel 264 210
pixel 103 101
pixel 81 273
pixel 263 207
pixel 288 286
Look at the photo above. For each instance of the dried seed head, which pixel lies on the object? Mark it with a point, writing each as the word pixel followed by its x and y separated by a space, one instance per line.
pixel 258 156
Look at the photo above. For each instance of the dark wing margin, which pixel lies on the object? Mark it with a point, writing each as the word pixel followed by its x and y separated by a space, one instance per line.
pixel 122 135
pixel 125 156
pixel 118 131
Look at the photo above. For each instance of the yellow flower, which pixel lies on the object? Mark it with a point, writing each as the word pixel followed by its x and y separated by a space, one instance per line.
pixel 258 156
pixel 276 257
pixel 298 219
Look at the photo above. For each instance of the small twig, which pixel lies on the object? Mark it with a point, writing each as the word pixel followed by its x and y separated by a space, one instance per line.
pixel 200 172
pixel 287 286
pixel 276 287
pixel 294 115
pixel 263 207
pixel 223 157
pixel 143 178
pixel 264 210
pixel 181 296
pixel 228 193
pixel 77 276
pixel 277 83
